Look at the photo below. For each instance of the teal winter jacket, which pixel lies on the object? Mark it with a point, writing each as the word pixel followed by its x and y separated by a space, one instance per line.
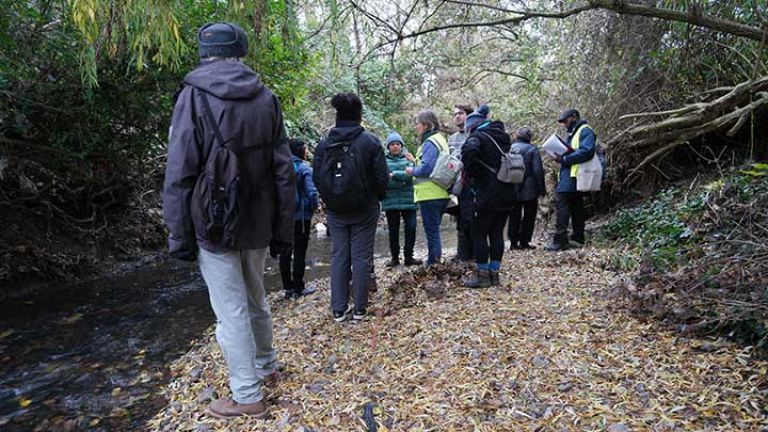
pixel 400 187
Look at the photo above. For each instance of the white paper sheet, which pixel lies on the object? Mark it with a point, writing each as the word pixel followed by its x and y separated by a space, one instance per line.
pixel 554 146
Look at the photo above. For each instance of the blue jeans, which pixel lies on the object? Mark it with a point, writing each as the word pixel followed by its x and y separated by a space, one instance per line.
pixel 431 216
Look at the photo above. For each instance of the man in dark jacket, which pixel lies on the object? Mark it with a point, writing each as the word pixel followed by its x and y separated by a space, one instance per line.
pixel 481 155
pixel 352 206
pixel 570 202
pixel 250 123
pixel 522 218
pixel 292 267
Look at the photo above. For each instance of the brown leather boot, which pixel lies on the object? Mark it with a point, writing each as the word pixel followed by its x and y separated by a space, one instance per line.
pixel 228 409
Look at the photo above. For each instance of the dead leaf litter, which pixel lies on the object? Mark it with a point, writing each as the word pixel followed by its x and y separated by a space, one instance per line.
pixel 547 351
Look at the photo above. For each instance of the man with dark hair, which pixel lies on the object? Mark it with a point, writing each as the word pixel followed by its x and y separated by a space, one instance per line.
pixel 464 249
pixel 350 171
pixel 456 140
pixel 570 202
pixel 306 203
pixel 224 109
pixel 522 218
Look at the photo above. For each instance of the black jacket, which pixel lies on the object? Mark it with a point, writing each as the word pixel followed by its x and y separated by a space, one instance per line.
pixel 533 185
pixel 251 124
pixel 482 160
pixel 375 168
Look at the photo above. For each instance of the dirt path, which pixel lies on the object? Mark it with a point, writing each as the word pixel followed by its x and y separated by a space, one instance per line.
pixel 548 351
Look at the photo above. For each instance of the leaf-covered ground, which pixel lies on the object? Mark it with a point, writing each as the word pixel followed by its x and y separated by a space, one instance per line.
pixel 550 350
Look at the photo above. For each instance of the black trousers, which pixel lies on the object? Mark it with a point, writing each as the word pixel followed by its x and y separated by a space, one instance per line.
pixel 488 235
pixel 393 225
pixel 294 280
pixel 465 244
pixel 570 208
pixel 522 220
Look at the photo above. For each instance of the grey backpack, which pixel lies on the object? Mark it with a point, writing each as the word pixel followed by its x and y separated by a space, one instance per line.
pixel 447 168
pixel 512 168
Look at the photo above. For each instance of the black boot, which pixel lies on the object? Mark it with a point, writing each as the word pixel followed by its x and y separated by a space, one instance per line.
pixel 495 279
pixel 411 261
pixel 479 279
pixel 394 262
pixel 556 247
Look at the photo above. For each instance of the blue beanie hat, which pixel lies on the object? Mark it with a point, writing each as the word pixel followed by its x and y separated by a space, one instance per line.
pixel 224 40
pixel 394 137
pixel 476 118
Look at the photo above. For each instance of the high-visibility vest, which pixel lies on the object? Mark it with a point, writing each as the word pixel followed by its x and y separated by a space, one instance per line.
pixel 425 189
pixel 575 146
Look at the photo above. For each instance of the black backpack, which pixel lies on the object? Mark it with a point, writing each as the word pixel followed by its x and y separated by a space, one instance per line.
pixel 340 179
pixel 218 187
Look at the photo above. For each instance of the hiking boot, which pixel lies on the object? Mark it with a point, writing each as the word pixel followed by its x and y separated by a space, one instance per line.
pixel 359 314
pixel 290 295
pixel 394 262
pixel 526 246
pixel 411 261
pixel 340 317
pixel 228 409
pixel 494 277
pixel 575 244
pixel 513 245
pixel 479 279
pixel 556 247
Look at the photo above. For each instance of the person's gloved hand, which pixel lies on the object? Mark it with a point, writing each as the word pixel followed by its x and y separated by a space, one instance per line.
pixel 279 248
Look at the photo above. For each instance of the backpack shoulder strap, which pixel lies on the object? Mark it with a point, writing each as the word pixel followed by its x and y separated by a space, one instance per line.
pixel 211 119
pixel 439 142
pixel 494 142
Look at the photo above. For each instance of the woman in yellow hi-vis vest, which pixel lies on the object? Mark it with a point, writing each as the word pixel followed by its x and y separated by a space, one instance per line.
pixel 570 202
pixel 428 195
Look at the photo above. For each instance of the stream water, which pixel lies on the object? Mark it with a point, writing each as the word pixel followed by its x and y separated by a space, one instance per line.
pixel 93 355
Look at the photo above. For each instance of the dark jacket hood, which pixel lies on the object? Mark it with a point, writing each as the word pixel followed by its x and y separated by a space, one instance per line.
pixel 226 80
pixel 345 131
pixel 496 130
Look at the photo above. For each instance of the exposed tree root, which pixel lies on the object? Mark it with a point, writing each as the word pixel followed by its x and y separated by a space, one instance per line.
pixel 645 143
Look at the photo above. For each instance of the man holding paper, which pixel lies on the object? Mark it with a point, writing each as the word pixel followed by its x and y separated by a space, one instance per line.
pixel 579 148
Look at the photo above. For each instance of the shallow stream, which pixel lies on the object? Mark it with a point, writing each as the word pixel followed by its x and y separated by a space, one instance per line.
pixel 93 355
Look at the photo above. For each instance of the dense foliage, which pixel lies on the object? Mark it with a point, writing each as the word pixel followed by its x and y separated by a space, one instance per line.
pixel 86 86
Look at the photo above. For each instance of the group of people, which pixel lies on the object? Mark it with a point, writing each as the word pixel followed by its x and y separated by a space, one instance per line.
pixel 236 188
